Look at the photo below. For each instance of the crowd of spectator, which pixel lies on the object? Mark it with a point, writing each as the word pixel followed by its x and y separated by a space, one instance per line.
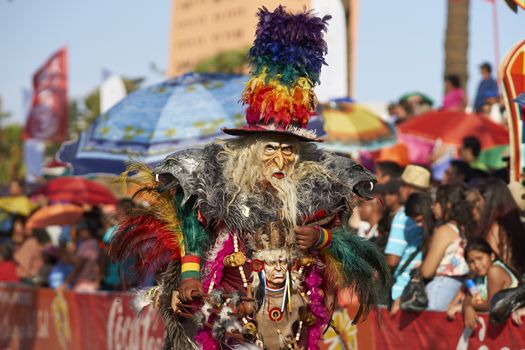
pixel 469 226
pixel 69 256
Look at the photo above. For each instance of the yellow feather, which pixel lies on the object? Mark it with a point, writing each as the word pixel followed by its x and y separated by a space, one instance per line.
pixel 333 270
pixel 161 204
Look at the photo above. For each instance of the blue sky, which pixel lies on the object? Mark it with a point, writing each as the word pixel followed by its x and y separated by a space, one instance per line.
pixel 400 44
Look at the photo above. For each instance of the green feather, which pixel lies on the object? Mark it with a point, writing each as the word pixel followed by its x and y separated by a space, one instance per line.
pixel 362 265
pixel 196 238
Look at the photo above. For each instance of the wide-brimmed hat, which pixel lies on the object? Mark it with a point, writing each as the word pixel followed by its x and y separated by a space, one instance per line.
pixel 285 60
pixel 416 176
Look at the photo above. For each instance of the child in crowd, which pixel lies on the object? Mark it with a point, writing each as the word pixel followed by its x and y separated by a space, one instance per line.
pixel 491 276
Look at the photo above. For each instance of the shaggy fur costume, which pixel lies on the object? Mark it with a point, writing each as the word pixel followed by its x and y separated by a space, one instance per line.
pixel 200 173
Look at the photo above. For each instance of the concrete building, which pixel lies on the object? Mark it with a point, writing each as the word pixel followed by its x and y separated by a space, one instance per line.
pixel 201 29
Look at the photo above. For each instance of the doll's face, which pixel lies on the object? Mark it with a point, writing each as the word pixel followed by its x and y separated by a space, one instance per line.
pixel 278 160
pixel 275 271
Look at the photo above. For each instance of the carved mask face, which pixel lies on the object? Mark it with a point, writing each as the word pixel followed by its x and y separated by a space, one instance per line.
pixel 275 271
pixel 278 160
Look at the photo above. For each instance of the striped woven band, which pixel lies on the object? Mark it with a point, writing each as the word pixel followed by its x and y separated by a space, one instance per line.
pixel 325 237
pixel 191 266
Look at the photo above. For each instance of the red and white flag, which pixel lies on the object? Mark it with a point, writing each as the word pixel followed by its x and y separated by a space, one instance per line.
pixel 47 119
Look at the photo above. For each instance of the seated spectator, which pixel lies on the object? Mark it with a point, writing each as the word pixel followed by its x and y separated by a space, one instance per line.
pixel 28 257
pixel 85 276
pixel 7 265
pixel 444 260
pixel 387 170
pixel 500 224
pixel 414 178
pixel 405 235
pixel 418 208
pixel 491 276
pixel 458 172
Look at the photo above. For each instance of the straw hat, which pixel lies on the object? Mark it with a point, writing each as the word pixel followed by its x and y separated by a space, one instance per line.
pixel 416 176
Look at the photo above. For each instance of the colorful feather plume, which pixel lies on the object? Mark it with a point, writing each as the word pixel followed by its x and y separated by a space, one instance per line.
pixel 286 60
pixel 147 240
pixel 289 46
pixel 153 236
pixel 352 262
pixel 196 237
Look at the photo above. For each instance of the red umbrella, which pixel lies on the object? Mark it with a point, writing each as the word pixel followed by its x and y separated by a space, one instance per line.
pixel 57 214
pixel 452 127
pixel 79 190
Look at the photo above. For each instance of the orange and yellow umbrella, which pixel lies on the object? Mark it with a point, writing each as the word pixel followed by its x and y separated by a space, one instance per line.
pixel 56 214
pixel 353 126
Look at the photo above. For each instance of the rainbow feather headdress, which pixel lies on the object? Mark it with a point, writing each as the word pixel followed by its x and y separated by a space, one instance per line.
pixel 286 60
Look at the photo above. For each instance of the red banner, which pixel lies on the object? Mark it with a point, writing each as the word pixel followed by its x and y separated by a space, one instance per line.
pixel 425 330
pixel 47 119
pixel 43 319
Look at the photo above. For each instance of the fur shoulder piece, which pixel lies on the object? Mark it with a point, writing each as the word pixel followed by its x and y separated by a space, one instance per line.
pixel 354 176
pixel 181 169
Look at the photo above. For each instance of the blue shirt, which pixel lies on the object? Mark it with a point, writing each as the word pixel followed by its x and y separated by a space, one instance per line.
pixel 116 270
pixel 404 239
pixel 487 88
pixel 113 268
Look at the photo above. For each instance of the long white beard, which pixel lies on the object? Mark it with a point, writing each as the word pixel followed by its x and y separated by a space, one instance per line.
pixel 287 194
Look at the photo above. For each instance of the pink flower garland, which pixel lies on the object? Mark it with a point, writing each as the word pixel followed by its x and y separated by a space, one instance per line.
pixel 206 341
pixel 316 307
pixel 214 269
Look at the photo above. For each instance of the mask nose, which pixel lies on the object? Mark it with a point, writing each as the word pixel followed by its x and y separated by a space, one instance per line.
pixel 279 160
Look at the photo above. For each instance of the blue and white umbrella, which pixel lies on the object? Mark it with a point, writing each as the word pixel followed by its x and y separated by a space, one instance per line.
pixel 153 122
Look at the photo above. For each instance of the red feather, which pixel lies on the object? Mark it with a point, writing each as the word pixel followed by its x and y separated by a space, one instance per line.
pixel 146 239
pixel 282 108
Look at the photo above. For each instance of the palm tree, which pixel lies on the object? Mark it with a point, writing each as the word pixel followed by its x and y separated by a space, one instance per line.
pixel 351 9
pixel 457 39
